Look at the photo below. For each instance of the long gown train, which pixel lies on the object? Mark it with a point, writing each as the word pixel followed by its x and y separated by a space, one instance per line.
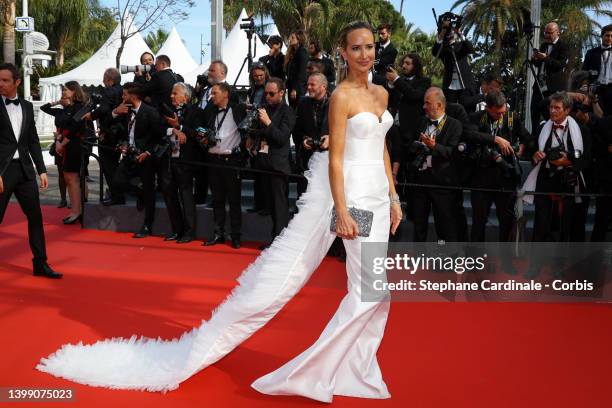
pixel 341 362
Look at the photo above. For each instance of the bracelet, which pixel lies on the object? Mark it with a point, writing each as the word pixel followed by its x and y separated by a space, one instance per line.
pixel 394 198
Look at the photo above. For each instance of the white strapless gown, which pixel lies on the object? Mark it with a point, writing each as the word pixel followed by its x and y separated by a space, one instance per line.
pixel 341 362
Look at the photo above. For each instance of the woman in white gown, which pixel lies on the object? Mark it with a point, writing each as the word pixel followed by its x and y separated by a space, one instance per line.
pixel 342 361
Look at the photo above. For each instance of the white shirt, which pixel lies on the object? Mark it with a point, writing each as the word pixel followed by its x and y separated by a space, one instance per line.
pixel 432 131
pixel 228 136
pixel 134 113
pixel 605 72
pixel 16 116
pixel 205 98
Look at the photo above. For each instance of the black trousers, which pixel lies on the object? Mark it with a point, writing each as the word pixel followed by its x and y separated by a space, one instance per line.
pixel 605 98
pixel 109 161
pixel 176 181
pixel 444 204
pixel 482 202
pixel 225 186
pixel 603 213
pixel 26 191
pixel 145 172
pixel 277 187
pixel 553 213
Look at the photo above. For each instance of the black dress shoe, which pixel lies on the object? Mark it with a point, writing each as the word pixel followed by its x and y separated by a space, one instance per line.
pixel 45 271
pixel 145 231
pixel 217 239
pixel 184 239
pixel 171 237
pixel 62 204
pixel 235 243
pixel 73 220
pixel 112 201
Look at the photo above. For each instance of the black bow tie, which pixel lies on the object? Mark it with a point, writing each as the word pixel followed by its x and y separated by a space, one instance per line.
pixel 13 101
pixel 433 123
pixel 608 48
pixel 221 110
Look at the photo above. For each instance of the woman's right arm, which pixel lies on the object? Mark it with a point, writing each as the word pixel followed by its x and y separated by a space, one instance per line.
pixel 346 227
pixel 49 110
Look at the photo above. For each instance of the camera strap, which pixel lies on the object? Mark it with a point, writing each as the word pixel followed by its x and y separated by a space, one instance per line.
pixel 560 140
pixel 218 123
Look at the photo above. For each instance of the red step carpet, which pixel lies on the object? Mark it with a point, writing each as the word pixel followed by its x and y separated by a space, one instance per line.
pixel 433 354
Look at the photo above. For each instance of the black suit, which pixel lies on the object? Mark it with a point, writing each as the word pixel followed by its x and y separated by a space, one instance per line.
pixel 19 176
pixel 225 184
pixel 329 72
pixel 177 176
pixel 384 56
pixel 307 126
pixel 408 96
pixel 554 67
pixel 443 172
pixel 602 138
pixel 462 50
pixel 275 65
pixel 593 62
pixel 160 86
pixel 277 136
pixel 297 77
pixel 486 174
pixel 147 135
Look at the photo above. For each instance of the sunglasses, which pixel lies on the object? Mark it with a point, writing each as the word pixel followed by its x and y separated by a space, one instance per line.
pixel 270 93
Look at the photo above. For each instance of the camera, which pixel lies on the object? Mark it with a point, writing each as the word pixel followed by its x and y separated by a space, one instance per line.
pixel 130 152
pixel 248 24
pixel 510 169
pixel 251 120
pixel 455 20
pixel 94 101
pixel 421 151
pixel 314 144
pixel 125 69
pixel 206 137
pixel 554 153
pixel 389 68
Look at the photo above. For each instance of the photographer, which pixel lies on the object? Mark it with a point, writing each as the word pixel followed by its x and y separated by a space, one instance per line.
pixel 225 185
pixel 386 53
pixel 177 176
pixel 257 80
pixel 599 60
pixel 143 134
pixel 434 165
pixel 162 80
pixel 329 70
pixel 564 150
pixel 275 60
pixel 109 134
pixel 271 145
pixel 550 62
pixel 453 49
pixel 140 77
pixel 476 103
pixel 311 133
pixel 495 142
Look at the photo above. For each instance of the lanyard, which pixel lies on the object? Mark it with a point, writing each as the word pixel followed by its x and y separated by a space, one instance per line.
pixel 219 124
pixel 560 140
pixel 437 129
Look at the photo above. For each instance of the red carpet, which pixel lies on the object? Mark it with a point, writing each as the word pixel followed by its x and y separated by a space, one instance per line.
pixel 433 354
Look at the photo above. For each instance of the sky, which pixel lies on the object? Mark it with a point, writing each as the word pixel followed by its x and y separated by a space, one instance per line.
pixel 197 26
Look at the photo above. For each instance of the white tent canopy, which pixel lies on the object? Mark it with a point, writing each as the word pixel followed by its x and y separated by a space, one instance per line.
pixel 180 58
pixel 92 70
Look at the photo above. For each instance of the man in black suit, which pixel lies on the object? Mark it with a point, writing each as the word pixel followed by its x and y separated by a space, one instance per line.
pixel 224 116
pixel 143 134
pixel 160 86
pixel 108 137
pixel 599 59
pixel 457 85
pixel 311 132
pixel 275 60
pixel 329 70
pixel 277 121
pixel 550 62
pixel 476 102
pixel 386 53
pixel 439 136
pixel 19 146
pixel 494 136
pixel 176 175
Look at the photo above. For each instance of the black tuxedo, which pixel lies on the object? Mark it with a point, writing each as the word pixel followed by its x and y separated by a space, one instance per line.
pixel 442 172
pixel 160 86
pixel 555 79
pixel 462 50
pixel 277 137
pixel 329 72
pixel 384 56
pixel 407 96
pixel 19 176
pixel 176 177
pixel 147 135
pixel 592 62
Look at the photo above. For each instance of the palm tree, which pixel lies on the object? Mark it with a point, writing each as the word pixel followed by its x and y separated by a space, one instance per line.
pixel 8 29
pixel 61 21
pixel 155 39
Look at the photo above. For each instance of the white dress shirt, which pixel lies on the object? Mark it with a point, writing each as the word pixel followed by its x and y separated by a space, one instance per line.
pixel 16 116
pixel 605 72
pixel 228 136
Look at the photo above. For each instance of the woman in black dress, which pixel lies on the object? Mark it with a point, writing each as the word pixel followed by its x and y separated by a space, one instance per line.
pixel 73 130
pixel 295 66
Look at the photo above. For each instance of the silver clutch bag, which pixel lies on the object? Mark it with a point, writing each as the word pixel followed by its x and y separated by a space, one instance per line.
pixel 363 218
